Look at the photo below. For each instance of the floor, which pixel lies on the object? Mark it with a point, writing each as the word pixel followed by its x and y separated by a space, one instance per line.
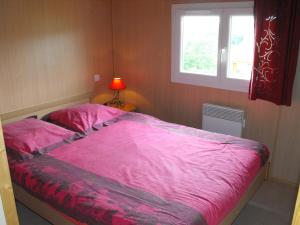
pixel 272 205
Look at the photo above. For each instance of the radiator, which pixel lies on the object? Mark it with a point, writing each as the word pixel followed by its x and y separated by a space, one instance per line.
pixel 223 120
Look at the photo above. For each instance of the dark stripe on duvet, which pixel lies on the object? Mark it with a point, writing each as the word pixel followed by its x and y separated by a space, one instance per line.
pixel 98 200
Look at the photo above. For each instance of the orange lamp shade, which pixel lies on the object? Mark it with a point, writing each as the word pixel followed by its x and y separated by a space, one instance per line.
pixel 117 84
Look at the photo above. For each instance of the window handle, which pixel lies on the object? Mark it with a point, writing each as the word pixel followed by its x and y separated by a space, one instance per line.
pixel 223 54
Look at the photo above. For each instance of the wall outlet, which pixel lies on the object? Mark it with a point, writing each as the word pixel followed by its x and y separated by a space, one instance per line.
pixel 97 77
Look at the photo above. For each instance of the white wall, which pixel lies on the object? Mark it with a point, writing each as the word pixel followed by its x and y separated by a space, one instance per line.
pixel 2 217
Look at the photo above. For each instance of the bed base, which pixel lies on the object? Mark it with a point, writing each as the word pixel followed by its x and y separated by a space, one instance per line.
pixel 41 208
pixel 262 175
pixel 57 218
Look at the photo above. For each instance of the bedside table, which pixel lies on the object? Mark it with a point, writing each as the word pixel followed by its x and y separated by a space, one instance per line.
pixel 128 107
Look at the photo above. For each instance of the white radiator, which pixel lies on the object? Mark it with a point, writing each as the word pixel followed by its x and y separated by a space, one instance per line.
pixel 223 120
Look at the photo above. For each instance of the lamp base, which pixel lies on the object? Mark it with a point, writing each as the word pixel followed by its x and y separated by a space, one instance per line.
pixel 115 102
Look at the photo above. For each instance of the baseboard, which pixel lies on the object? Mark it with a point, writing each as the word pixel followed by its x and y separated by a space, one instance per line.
pixel 283 181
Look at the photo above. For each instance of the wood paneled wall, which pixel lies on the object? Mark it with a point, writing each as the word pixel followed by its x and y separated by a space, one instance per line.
pixel 287 156
pixel 142 48
pixel 50 49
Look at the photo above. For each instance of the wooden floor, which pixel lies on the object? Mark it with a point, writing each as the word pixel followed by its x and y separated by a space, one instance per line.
pixel 272 205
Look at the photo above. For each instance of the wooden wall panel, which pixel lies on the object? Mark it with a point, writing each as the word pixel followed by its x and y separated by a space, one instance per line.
pixel 49 50
pixel 142 48
pixel 287 157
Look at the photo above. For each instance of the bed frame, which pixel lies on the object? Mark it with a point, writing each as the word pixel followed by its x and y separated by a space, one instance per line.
pixel 43 109
pixel 296 217
pixel 57 218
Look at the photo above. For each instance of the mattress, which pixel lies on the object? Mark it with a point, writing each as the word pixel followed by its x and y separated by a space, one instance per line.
pixel 137 169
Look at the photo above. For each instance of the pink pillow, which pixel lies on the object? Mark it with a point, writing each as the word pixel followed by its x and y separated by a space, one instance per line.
pixel 29 136
pixel 84 118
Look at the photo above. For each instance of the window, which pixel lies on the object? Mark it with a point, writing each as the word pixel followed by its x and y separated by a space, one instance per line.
pixel 213 44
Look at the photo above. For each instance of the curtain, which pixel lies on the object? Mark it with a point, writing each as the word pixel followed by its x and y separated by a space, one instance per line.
pixel 277 33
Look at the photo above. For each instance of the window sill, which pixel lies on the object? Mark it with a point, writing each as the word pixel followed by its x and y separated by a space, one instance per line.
pixel 212 82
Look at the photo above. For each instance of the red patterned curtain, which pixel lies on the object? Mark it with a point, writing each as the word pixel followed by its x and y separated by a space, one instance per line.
pixel 277 34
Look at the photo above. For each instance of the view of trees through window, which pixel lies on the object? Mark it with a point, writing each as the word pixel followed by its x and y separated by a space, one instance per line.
pixel 200 35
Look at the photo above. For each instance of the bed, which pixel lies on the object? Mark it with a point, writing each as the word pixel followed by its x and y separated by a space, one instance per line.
pixel 136 169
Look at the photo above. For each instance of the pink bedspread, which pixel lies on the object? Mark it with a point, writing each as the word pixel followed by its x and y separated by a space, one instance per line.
pixel 140 170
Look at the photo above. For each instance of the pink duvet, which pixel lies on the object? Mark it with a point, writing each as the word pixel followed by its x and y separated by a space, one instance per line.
pixel 140 170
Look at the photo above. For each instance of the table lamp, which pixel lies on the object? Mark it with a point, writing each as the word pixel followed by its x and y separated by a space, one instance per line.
pixel 117 84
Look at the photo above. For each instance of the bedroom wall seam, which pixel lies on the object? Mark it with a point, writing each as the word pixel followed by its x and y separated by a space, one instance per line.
pixel 113 39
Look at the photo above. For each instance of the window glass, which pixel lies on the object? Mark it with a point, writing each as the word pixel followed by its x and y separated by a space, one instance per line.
pixel 199 45
pixel 241 47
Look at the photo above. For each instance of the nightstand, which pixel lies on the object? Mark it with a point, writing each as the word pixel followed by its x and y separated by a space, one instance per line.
pixel 128 107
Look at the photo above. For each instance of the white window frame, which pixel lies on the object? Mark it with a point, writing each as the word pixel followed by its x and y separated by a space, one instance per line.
pixel 224 10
